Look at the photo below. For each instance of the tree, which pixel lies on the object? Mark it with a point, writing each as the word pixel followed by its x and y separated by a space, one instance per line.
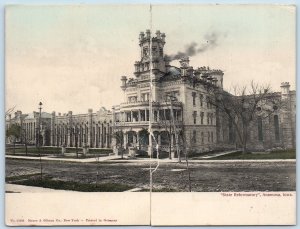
pixel 24 139
pixel 243 106
pixel 186 156
pixel 165 120
pixel 13 133
pixel 9 111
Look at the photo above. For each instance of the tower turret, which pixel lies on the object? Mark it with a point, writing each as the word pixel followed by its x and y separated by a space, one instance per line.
pixel 158 62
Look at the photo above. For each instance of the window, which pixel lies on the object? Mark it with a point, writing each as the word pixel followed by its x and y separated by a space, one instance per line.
pixel 231 133
pixel 145 97
pixel 212 136
pixel 202 137
pixel 145 51
pixel 168 114
pixel 161 52
pixel 208 118
pixel 202 117
pixel 194 136
pixel 201 100
pixel 195 117
pixel 276 127
pixel 207 102
pixel 194 98
pixel 208 137
pixel 260 130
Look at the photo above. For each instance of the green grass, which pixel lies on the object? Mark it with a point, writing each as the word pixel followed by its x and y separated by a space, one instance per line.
pixel 282 154
pixel 74 186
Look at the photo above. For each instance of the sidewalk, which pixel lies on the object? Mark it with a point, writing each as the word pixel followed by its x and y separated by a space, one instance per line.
pixel 146 160
pixel 50 158
pixel 213 155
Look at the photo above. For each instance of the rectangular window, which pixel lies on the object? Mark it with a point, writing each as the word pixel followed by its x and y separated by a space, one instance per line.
pixel 207 102
pixel 194 136
pixel 202 137
pixel 168 114
pixel 276 126
pixel 207 118
pixel 201 100
pixel 202 117
pixel 260 130
pixel 208 137
pixel 194 98
pixel 231 131
pixel 212 136
pixel 195 117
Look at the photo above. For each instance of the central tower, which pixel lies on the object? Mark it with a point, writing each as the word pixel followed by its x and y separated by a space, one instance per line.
pixel 142 67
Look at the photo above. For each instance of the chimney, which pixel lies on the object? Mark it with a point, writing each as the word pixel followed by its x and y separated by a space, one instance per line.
pixel 148 33
pixel 123 80
pixel 158 34
pixel 285 90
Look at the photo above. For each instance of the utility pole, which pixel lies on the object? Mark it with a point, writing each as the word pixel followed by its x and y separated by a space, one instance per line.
pixel 174 127
pixel 38 140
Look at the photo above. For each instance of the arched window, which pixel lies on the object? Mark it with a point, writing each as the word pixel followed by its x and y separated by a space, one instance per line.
pixel 260 130
pixel 276 127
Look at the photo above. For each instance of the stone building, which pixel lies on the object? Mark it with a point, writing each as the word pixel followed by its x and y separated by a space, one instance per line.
pixel 178 103
pixel 29 125
pixel 92 129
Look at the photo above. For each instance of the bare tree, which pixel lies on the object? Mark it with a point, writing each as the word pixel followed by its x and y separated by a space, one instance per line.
pixel 186 156
pixel 243 106
pixel 9 111
pixel 24 139
pixel 166 122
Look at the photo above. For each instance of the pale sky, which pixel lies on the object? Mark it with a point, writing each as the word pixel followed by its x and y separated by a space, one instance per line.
pixel 72 57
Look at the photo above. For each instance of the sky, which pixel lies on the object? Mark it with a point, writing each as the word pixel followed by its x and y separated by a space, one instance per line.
pixel 72 57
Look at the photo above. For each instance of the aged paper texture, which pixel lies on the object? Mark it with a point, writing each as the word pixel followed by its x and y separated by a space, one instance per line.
pixel 158 115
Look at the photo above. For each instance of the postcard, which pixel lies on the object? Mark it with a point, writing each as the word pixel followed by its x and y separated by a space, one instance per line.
pixel 163 115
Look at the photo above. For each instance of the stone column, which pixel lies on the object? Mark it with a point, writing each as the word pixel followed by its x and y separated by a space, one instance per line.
pixel 131 116
pixel 159 139
pixel 125 140
pixel 172 146
pixel 134 139
pixel 107 136
pixel 139 115
pixel 90 131
pixel 96 136
pixel 52 129
pixel 101 136
pixel 138 139
pixel 69 129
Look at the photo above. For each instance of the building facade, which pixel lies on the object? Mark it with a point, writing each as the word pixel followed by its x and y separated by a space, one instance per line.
pixel 179 112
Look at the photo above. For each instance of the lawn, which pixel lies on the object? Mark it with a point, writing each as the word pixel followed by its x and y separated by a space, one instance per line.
pixel 48 182
pixel 282 154
pixel 46 151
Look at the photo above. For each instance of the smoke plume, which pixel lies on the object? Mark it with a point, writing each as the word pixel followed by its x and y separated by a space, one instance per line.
pixel 211 41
